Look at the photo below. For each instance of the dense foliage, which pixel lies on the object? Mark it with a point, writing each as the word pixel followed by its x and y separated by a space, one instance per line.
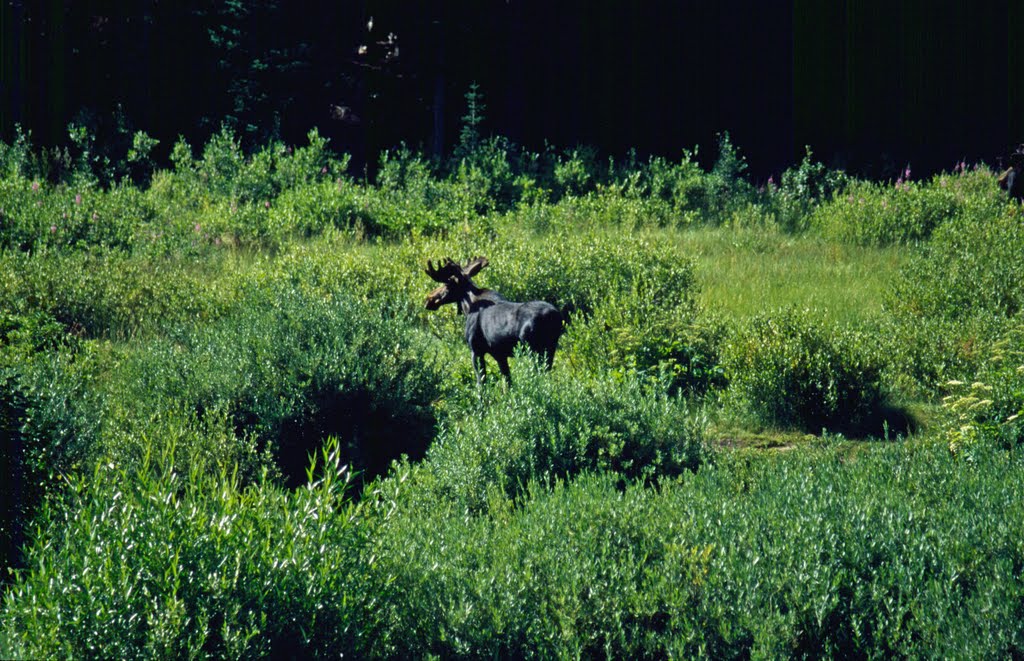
pixel 231 429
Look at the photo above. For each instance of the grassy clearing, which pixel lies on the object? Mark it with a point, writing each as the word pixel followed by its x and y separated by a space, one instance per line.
pixel 744 272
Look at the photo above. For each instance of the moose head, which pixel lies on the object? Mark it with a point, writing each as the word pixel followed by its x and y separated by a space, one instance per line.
pixel 494 325
pixel 455 280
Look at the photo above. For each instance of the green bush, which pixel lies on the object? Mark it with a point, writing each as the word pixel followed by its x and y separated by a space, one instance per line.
pixel 800 555
pixel 259 177
pixel 551 426
pixel 985 411
pixel 681 185
pixel 229 173
pixel 920 354
pixel 37 216
pixel 574 573
pixel 310 164
pixel 309 209
pixel 411 199
pixel 802 188
pixel 726 187
pixel 147 562
pixel 585 268
pixel 49 419
pixel 19 159
pixel 969 268
pixel 903 552
pixel 291 369
pixel 24 342
pixel 787 371
pixel 113 294
pixel 878 214
pixel 683 193
pixel 489 173
pixel 228 195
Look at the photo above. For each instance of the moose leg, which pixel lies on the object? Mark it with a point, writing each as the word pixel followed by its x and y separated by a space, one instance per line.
pixel 480 365
pixel 503 366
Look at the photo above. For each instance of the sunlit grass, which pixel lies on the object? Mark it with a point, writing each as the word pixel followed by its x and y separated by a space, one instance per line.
pixel 743 272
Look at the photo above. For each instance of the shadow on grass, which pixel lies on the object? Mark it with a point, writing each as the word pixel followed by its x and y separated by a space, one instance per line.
pixel 887 422
pixel 372 433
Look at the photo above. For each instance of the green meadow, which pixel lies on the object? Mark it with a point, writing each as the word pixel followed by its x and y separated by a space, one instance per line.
pixel 783 420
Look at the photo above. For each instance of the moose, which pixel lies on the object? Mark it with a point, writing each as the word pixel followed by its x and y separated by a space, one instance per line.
pixel 1010 179
pixel 494 325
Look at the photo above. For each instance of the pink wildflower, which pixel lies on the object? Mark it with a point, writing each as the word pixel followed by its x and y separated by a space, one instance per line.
pixel 267 204
pixel 198 228
pixel 78 199
pixel 53 229
pixel 35 185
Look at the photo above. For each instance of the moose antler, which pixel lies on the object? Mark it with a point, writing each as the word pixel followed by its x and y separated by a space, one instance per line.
pixel 474 266
pixel 442 272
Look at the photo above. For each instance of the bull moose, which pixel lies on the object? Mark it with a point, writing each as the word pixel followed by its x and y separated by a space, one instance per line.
pixel 1010 179
pixel 494 325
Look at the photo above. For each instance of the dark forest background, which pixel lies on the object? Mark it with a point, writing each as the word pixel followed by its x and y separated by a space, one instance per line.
pixel 870 86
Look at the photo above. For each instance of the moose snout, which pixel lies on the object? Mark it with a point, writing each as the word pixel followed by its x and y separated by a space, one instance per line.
pixel 436 298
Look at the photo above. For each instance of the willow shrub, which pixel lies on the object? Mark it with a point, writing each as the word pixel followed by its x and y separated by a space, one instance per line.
pixel 290 368
pixel 630 302
pixel 148 562
pixel 787 371
pixel 114 294
pixel 869 213
pixel 580 268
pixel 43 432
pixel 951 300
pixel 551 426
pixel 36 215
pixel 970 267
pixel 905 551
